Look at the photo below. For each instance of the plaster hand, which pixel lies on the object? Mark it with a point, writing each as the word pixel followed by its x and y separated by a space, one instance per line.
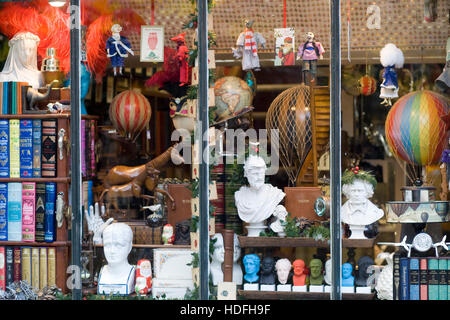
pixel 96 223
pixel 236 52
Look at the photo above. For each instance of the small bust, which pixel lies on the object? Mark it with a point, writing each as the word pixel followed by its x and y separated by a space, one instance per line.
pixel 267 271
pixel 299 277
pixel 182 232
pixel 283 267
pixel 167 234
pixel 251 265
pixel 217 258
pixel 363 264
pixel 347 279
pixel 316 276
pixel 258 201
pixel 327 276
pixel 237 269
pixel 117 244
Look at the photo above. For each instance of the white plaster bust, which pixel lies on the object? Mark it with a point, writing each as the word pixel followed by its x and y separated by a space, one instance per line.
pixel 218 258
pixel 258 201
pixel 283 267
pixel 21 64
pixel 117 244
pixel 280 213
pixel 359 210
pixel 327 275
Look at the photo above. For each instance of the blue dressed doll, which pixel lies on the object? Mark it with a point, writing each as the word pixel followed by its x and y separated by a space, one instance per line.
pixel 117 48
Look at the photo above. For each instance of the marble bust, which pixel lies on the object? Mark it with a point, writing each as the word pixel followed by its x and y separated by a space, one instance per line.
pixel 359 211
pixel 251 265
pixel 267 271
pixel 316 276
pixel 299 277
pixel 283 268
pixel 363 264
pixel 327 276
pixel 21 63
pixel 118 275
pixel 258 201
pixel 218 258
pixel 348 280
pixel 237 269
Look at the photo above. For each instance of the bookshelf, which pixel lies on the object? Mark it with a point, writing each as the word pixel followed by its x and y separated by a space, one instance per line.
pixel 279 295
pixel 61 244
pixel 265 242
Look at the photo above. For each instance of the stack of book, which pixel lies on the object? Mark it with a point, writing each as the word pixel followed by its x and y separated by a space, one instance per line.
pixel 36 265
pixel 13 97
pixel 27 211
pixel 87 148
pixel 28 148
pixel 421 278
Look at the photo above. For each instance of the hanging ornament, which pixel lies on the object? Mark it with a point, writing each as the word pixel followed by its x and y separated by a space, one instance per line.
pixel 367 85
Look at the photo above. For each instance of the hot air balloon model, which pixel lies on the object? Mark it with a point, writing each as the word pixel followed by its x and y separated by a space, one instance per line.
pixel 367 85
pixel 130 112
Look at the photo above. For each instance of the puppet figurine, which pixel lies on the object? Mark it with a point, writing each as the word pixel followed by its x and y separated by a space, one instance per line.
pixel 247 47
pixel 391 57
pixel 168 236
pixel 117 48
pixel 309 52
pixel 182 55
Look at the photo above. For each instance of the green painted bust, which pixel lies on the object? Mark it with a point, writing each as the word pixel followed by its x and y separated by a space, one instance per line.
pixel 316 275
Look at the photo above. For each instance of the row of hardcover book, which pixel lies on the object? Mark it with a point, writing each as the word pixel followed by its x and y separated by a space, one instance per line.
pixel 28 148
pixel 13 97
pixel 27 211
pixel 36 265
pixel 421 278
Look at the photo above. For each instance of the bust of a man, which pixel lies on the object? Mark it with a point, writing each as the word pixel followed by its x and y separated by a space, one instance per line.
pixel 359 210
pixel 256 202
pixel 299 277
pixel 251 265
pixel 118 275
pixel 283 268
pixel 327 276
pixel 363 264
pixel 267 271
pixel 348 280
pixel 316 276
pixel 218 258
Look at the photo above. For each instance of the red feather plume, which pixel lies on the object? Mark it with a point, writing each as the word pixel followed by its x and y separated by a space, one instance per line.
pixel 170 72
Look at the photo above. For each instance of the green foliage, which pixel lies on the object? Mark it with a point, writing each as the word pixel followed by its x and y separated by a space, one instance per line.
pixel 194 187
pixel 192 93
pixel 194 224
pixel 195 260
pixel 349 176
pixel 291 228
pixel 319 233
pixel 269 233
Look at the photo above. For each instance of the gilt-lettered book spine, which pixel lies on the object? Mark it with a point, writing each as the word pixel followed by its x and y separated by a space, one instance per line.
pixel 4 148
pixel 26 148
pixel 423 279
pixel 83 147
pixel 14 148
pixel 28 211
pixel 35 267
pixel 49 218
pixel 404 279
pixel 87 150
pixel 443 294
pixel 433 279
pixel 40 212
pixel 2 269
pixel 414 279
pixel 3 212
pixel 17 264
pixel 396 276
pixel 9 272
pixel 26 264
pixel 14 211
pixel 48 163
pixel 93 148
pixel 43 272
pixel 51 267
pixel 37 142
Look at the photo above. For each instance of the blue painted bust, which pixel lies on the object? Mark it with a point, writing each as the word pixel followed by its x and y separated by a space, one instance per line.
pixel 251 265
pixel 347 279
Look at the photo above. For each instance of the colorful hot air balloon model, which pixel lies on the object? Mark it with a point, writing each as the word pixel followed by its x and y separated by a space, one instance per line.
pixel 367 85
pixel 130 112
pixel 416 129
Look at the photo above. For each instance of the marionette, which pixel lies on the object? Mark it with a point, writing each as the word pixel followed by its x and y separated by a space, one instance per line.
pixel 247 47
pixel 443 81
pixel 117 48
pixel 182 55
pixel 309 52
pixel 391 57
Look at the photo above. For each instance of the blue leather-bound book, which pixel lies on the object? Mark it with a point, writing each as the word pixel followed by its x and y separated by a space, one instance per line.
pixel 5 98
pixel 433 279
pixel 14 211
pixel 3 212
pixel 404 279
pixel 443 291
pixel 26 148
pixel 4 148
pixel 49 217
pixel 414 279
pixel 90 194
pixel 37 140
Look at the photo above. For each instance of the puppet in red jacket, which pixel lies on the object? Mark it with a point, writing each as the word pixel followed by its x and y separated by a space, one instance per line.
pixel 183 55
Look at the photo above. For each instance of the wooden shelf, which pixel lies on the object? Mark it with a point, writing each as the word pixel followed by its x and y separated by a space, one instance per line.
pixel 263 242
pixel 275 295
pixel 57 180
pixel 45 116
pixel 35 244
pixel 156 246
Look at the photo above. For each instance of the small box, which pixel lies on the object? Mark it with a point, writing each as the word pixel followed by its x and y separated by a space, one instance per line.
pixel 284 287
pixel 251 286
pixel 365 290
pixel 172 263
pixel 348 290
pixel 299 288
pixel 315 288
pixel 267 287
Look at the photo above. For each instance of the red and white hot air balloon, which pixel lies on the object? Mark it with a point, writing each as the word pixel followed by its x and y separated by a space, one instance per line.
pixel 130 112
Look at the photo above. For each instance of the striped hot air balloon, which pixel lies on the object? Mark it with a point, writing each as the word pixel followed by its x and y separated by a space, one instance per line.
pixel 415 131
pixel 129 112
